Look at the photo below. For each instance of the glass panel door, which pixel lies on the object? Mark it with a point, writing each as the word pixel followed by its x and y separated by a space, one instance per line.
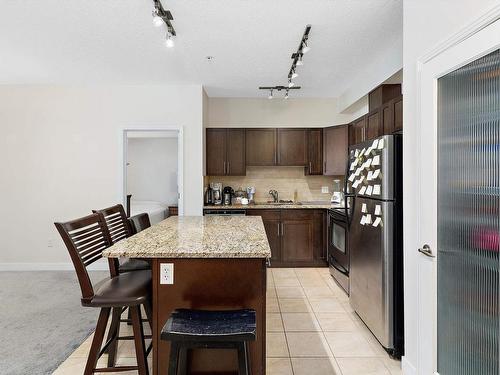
pixel 469 219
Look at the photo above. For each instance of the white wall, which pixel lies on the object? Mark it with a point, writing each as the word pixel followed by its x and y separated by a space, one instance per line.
pixel 426 24
pixel 152 169
pixel 294 112
pixel 62 148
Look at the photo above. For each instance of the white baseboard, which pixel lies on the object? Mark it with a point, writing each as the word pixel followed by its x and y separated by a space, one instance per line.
pixel 407 367
pixel 98 266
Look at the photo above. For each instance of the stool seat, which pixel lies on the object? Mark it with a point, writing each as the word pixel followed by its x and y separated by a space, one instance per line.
pixel 203 325
pixel 126 289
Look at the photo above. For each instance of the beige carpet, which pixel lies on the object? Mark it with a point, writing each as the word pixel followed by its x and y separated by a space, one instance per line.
pixel 41 320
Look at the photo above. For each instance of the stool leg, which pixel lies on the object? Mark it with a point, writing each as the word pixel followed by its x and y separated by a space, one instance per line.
pixel 174 358
pixel 100 330
pixel 242 359
pixel 140 351
pixel 114 330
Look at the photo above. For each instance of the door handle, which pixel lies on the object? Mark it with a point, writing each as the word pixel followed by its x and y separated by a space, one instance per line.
pixel 426 250
pixel 224 167
pixel 228 169
pixel 310 167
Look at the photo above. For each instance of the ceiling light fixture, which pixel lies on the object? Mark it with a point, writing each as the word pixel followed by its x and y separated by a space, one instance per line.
pixel 169 42
pixel 292 73
pixel 299 61
pixel 164 17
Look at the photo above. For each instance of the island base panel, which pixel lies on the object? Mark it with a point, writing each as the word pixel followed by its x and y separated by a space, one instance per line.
pixel 210 284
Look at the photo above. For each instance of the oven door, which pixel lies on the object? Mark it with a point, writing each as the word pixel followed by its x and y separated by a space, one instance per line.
pixel 338 247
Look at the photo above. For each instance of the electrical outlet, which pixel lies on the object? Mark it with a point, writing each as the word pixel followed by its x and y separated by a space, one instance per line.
pixel 324 189
pixel 166 273
pixel 50 243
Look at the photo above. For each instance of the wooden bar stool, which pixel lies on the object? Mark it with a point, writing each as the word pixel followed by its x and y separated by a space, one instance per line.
pixel 119 227
pixel 190 329
pixel 85 239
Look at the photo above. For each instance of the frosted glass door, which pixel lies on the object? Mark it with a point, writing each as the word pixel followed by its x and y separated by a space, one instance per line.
pixel 469 219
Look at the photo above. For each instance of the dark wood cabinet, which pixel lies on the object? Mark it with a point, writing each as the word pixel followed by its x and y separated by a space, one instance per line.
pixel 225 152
pixel 387 113
pixel 215 152
pixel 292 147
pixel 357 131
pixel 387 119
pixel 261 147
pixel 383 94
pixel 398 114
pixel 296 237
pixel 335 145
pixel 374 127
pixel 235 152
pixel 272 220
pixel 314 152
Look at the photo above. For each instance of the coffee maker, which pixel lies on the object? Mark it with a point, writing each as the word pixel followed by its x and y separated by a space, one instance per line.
pixel 227 195
pixel 216 192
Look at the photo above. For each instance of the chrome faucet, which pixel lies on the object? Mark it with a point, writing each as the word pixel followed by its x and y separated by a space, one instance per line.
pixel 274 194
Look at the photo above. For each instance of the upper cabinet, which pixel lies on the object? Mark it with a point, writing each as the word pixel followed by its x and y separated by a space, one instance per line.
pixel 314 151
pixel 261 147
pixel 225 152
pixel 357 131
pixel 335 144
pixel 292 147
pixel 269 147
pixel 385 116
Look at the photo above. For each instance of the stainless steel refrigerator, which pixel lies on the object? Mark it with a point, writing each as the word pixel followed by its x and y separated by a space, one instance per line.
pixel 374 193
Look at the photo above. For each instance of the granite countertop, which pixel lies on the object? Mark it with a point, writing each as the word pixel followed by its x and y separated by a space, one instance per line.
pixel 197 237
pixel 257 206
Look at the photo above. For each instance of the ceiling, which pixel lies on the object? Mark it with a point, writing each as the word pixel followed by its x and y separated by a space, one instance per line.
pixel 114 42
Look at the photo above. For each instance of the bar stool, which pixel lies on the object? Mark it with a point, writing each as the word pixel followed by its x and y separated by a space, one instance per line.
pixel 85 239
pixel 190 329
pixel 119 227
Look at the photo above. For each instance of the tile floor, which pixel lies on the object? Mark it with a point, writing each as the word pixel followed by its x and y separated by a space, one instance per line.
pixel 311 329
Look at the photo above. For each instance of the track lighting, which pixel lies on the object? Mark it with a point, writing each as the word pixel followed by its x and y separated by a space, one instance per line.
pixel 163 17
pixel 305 47
pixel 169 42
pixel 292 73
pixel 157 20
pixel 299 60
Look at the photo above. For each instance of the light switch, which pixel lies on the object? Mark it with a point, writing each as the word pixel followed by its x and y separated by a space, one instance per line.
pixel 166 273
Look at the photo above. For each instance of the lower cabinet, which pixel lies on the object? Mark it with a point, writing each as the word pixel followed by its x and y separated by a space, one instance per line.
pixel 296 237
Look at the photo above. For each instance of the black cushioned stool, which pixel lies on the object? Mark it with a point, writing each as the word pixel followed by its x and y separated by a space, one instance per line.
pixel 191 329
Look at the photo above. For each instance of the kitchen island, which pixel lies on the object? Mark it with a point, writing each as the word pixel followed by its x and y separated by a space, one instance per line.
pixel 218 263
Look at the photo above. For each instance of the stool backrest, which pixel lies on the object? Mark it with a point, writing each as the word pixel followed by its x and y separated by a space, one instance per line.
pixel 139 222
pixel 117 222
pixel 85 239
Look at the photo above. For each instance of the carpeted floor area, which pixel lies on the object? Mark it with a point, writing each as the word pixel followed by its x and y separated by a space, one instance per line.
pixel 41 320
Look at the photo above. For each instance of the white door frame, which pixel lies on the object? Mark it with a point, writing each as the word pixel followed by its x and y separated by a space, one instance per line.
pixel 180 160
pixel 475 41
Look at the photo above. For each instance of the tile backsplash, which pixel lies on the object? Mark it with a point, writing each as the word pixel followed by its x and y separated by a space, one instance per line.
pixel 286 180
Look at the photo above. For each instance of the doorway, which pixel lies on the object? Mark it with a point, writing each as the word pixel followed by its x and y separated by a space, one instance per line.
pixel 153 172
pixel 459 208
